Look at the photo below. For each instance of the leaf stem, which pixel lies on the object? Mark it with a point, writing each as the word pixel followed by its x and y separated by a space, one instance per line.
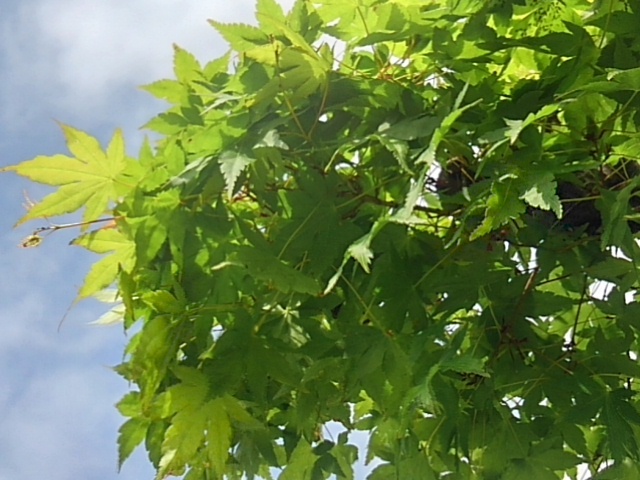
pixel 54 227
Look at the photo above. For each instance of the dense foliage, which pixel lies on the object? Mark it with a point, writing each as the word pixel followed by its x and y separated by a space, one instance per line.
pixel 412 218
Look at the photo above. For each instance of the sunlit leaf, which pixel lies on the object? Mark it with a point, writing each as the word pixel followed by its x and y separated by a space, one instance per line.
pixel 542 194
pixel 90 180
pixel 240 37
pixel 219 434
pixel 132 433
pixel 232 164
pixel 104 272
pixel 185 65
pixel 300 465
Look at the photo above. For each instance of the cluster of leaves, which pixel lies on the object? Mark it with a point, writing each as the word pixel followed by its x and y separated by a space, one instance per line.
pixel 290 255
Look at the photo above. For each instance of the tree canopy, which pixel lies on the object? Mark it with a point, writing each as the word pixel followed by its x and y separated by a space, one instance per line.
pixel 410 218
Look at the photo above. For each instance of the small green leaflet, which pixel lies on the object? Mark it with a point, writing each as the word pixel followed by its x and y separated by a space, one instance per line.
pixel 115 316
pixel 170 90
pixel 300 464
pixel 269 12
pixel 515 127
pixel 360 250
pixel 424 393
pixel 200 421
pixel 542 193
pixel 232 164
pixel 464 364
pixel 104 272
pixel 92 178
pixel 623 80
pixel 241 37
pixel 272 21
pixel 618 415
pixel 525 469
pixel 163 301
pixel 302 72
pixel 503 205
pixel 218 435
pixel 416 467
pixel 129 405
pixel 185 66
pixel 186 433
pixel 614 208
pixel 131 434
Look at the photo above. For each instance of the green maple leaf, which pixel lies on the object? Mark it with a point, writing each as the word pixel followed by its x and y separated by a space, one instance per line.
pixel 503 204
pixel 219 434
pixel 515 127
pixel 232 164
pixel 185 65
pixel 239 36
pixel 131 434
pixel 269 12
pixel 301 463
pixel 92 178
pixel 361 251
pixel 170 90
pixel 104 272
pixel 619 415
pixel 197 421
pixel 542 194
pixel 186 433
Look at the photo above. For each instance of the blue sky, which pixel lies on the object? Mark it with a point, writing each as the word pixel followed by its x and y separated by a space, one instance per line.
pixel 78 62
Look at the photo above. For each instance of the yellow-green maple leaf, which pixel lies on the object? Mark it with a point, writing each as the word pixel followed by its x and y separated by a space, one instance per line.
pixel 104 272
pixel 91 178
pixel 219 434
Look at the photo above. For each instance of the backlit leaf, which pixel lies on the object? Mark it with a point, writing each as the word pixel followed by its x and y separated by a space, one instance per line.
pixel 232 164
pixel 131 434
pixel 542 194
pixel 241 37
pixel 169 90
pixel 185 66
pixel 104 272
pixel 91 179
pixel 218 435
pixel 300 465
pixel 503 205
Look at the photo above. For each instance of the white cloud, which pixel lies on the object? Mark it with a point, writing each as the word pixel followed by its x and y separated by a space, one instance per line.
pixel 54 424
pixel 76 57
pixel 79 58
pixel 100 45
